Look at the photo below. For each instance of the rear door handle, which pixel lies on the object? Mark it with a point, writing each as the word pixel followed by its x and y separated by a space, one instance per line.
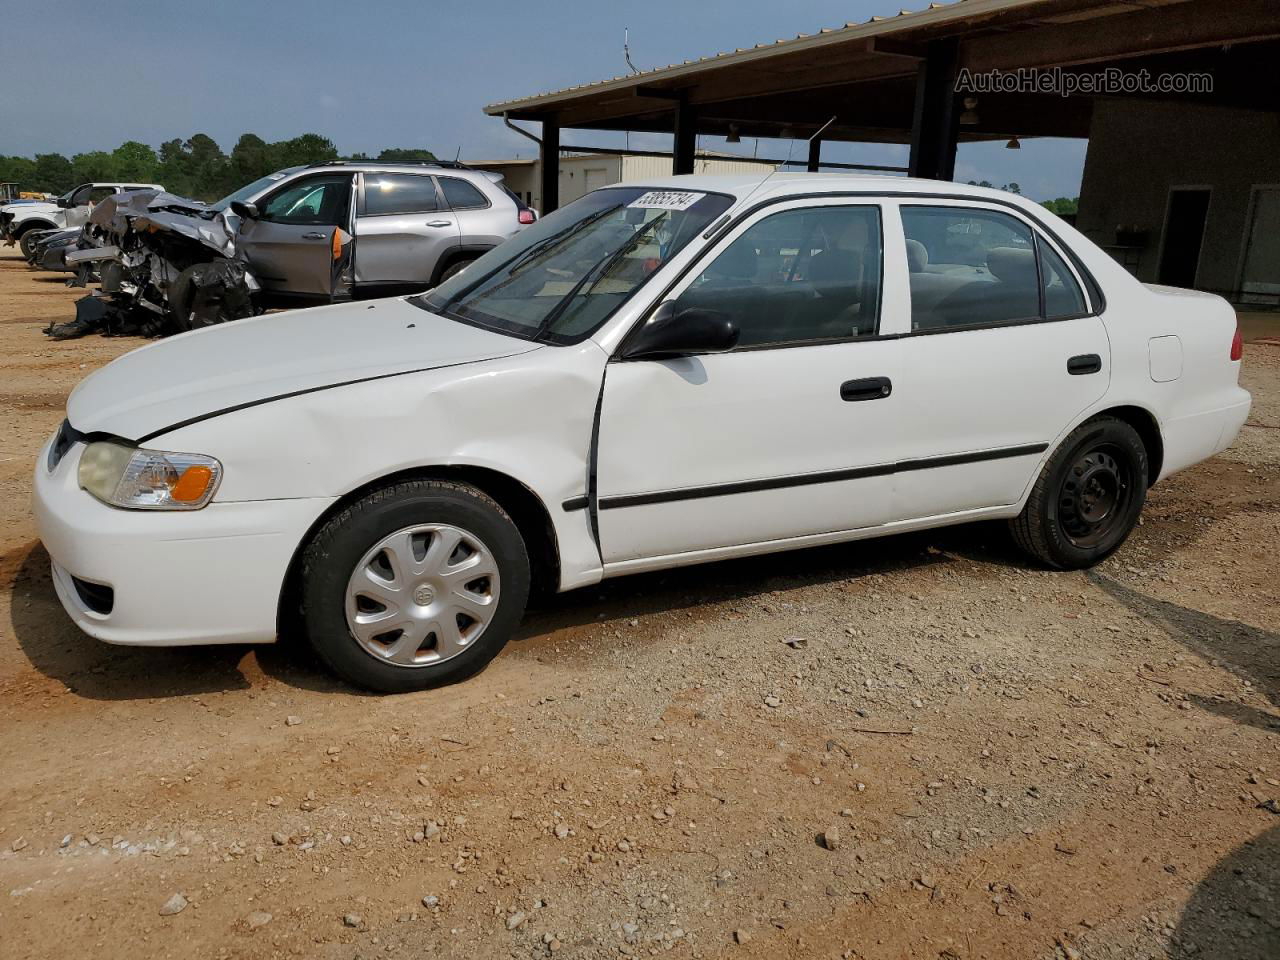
pixel 439 223
pixel 1085 363
pixel 868 388
pixel 315 236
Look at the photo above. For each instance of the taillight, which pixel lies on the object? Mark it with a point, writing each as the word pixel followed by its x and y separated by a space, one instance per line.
pixel 1237 345
pixel 527 216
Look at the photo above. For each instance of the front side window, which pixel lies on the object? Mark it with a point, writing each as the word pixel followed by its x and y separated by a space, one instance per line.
pixel 969 267
pixel 461 195
pixel 98 194
pixel 564 276
pixel 315 201
pixel 387 193
pixel 797 277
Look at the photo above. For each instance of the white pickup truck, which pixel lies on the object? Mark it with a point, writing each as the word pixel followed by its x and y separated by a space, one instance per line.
pixel 21 220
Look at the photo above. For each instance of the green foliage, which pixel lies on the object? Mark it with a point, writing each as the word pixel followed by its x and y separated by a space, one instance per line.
pixel 1007 188
pixel 195 167
pixel 397 153
pixel 1063 206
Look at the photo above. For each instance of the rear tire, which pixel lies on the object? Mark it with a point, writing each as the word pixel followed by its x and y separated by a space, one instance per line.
pixel 1087 498
pixel 455 268
pixel 418 584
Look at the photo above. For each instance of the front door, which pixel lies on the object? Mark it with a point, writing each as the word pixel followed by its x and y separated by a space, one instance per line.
pixel 786 435
pixel 403 229
pixel 1003 354
pixel 291 246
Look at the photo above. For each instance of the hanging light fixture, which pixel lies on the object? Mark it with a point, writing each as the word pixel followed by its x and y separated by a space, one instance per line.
pixel 970 117
pixel 733 134
pixel 1013 144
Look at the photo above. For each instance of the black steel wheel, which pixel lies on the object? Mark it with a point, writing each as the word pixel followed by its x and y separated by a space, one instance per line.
pixel 1088 496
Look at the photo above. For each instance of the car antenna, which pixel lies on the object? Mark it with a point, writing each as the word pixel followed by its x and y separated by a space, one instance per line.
pixel 787 161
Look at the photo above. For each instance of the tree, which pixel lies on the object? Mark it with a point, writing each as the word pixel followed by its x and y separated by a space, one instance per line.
pixel 134 161
pixel 52 173
pixel 20 170
pixel 250 160
pixel 308 148
pixel 93 165
pixel 398 153
pixel 1063 206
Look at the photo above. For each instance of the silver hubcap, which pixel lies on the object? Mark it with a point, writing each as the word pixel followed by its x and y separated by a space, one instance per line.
pixel 422 595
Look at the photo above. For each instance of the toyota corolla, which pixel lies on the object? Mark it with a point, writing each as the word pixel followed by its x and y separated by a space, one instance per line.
pixel 698 368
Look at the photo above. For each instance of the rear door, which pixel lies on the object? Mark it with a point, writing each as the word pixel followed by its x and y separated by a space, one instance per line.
pixel 1004 352
pixel 291 246
pixel 402 230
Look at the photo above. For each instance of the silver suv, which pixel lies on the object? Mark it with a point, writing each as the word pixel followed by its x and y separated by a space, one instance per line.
pixel 409 225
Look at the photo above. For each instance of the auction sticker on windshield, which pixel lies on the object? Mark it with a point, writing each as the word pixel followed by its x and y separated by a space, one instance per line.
pixel 666 200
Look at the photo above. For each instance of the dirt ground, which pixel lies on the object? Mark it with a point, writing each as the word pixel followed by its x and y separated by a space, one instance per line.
pixel 918 747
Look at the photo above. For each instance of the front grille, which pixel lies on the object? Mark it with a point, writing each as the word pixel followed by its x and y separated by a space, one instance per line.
pixel 98 597
pixel 63 440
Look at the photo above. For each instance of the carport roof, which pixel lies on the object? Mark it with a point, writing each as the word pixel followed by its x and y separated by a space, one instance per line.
pixel 864 73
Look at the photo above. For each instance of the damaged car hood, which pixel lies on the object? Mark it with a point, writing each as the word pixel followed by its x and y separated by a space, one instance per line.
pixel 226 367
pixel 155 211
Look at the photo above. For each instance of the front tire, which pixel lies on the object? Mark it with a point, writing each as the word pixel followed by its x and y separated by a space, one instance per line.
pixel 418 584
pixel 1087 498
pixel 27 239
pixel 455 268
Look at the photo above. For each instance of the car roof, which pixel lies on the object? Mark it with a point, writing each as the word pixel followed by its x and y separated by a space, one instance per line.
pixel 776 185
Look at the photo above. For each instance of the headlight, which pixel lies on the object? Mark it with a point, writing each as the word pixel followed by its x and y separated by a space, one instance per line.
pixel 148 479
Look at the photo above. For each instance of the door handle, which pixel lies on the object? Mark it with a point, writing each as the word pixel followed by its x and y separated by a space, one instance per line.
pixel 315 236
pixel 439 223
pixel 868 388
pixel 1085 363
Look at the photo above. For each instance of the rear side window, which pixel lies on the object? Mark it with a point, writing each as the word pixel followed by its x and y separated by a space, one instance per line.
pixel 800 276
pixel 973 267
pixel 969 267
pixel 388 193
pixel 461 195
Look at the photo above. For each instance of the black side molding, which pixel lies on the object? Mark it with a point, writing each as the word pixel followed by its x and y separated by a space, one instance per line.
pixel 1085 363
pixel 828 476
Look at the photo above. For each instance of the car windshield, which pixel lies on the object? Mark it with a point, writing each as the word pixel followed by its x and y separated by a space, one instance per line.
pixel 247 191
pixel 563 277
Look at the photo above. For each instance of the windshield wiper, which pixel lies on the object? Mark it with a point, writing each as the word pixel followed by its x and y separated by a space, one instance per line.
pixel 532 252
pixel 598 270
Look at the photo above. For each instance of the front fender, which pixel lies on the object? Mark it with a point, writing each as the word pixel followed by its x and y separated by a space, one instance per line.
pixel 528 416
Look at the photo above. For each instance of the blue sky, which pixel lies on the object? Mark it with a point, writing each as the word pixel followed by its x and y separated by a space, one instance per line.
pixel 384 73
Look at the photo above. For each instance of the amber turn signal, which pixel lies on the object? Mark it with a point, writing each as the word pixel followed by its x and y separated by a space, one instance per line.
pixel 193 483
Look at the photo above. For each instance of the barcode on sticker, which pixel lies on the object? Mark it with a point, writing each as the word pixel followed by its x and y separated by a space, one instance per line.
pixel 666 200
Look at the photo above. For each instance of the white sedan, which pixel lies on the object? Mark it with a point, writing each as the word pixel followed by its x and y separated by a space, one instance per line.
pixel 698 368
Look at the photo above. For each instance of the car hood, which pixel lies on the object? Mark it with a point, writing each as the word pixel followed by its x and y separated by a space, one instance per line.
pixel 247 362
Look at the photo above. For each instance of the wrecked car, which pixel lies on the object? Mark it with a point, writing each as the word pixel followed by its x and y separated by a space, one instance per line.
pixel 313 234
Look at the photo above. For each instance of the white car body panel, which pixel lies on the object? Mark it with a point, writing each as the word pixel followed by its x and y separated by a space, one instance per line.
pixel 306 408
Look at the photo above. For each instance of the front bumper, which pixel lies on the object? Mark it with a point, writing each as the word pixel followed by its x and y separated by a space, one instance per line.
pixel 175 578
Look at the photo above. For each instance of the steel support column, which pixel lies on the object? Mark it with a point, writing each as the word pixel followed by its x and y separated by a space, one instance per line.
pixel 815 155
pixel 549 166
pixel 686 137
pixel 935 125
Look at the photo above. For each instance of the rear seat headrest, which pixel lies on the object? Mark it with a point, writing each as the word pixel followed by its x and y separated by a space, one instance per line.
pixel 1012 264
pixel 917 256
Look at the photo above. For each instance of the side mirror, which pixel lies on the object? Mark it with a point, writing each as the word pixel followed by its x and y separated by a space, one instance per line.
pixel 673 332
pixel 245 210
pixel 64 202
